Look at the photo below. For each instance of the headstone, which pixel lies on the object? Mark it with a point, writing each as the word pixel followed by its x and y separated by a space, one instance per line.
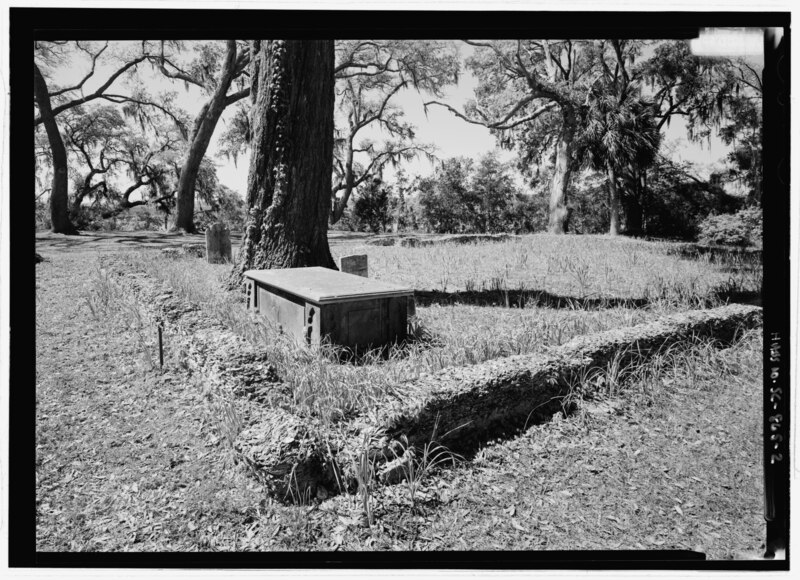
pixel 218 244
pixel 355 264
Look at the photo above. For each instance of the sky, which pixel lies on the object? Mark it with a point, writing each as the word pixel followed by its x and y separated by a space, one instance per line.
pixel 451 136
pixel 455 137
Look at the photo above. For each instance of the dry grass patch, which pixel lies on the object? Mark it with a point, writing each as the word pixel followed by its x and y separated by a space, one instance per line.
pixel 673 461
pixel 576 266
pixel 129 458
pixel 455 336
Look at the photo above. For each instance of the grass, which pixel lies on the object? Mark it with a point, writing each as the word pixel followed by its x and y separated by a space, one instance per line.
pixel 576 266
pixel 129 457
pixel 462 334
pixel 323 387
pixel 672 460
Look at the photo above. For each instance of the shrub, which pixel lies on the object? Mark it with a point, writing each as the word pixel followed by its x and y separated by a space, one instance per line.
pixel 372 207
pixel 675 204
pixel 743 228
pixel 527 213
pixel 346 223
pixel 474 197
pixel 42 215
pixel 588 205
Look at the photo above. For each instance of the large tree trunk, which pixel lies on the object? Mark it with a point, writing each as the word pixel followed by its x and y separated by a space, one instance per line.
pixel 204 126
pixel 561 177
pixel 288 187
pixel 59 195
pixel 613 205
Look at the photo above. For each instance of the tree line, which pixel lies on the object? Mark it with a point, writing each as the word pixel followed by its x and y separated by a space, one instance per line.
pixel 562 106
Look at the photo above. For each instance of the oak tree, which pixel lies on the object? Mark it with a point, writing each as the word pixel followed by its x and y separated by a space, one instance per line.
pixel 532 86
pixel 218 70
pixel 369 74
pixel 288 185
pixel 51 100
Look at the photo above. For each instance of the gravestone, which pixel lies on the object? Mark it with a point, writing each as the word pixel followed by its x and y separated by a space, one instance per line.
pixel 313 304
pixel 218 244
pixel 355 264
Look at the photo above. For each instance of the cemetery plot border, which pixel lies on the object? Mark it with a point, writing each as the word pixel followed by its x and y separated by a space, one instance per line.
pixel 458 407
pixel 208 347
pixel 465 406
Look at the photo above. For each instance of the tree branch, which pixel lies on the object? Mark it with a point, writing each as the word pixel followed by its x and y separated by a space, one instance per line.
pixel 367 120
pixel 501 124
pixel 234 97
pixel 179 73
pixel 86 78
pixel 95 95
pixel 350 62
pixel 123 99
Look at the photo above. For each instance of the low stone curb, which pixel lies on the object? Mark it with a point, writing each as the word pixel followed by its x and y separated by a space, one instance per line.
pixel 193 250
pixel 207 346
pixel 458 407
pixel 412 242
pixel 472 400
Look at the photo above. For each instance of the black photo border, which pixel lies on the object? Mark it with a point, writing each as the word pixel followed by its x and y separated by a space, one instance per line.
pixel 28 24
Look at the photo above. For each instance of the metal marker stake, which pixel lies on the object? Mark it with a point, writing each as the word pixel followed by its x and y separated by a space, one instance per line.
pixel 160 347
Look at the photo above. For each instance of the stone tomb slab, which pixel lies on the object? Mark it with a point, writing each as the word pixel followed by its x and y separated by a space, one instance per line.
pixel 312 304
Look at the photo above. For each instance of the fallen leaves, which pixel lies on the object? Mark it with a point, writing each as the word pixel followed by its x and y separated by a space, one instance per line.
pixel 517 526
pixel 106 432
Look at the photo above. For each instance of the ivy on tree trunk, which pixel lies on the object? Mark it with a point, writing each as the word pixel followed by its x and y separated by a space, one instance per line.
pixel 288 186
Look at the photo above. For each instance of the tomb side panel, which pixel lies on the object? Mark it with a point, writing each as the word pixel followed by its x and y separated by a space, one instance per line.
pixel 331 326
pixel 288 314
pixel 366 322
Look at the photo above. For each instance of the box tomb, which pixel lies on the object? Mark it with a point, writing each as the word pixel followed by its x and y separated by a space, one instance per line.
pixel 312 304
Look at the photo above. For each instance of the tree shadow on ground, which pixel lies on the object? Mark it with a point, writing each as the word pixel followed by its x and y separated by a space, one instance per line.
pixel 111 240
pixel 717 254
pixel 544 299
pixel 509 426
pixel 523 298
pixel 337 236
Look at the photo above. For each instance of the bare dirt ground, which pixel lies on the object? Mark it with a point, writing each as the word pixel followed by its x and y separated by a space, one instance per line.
pixel 129 459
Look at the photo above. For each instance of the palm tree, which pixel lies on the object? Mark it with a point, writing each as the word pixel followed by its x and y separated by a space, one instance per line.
pixel 618 132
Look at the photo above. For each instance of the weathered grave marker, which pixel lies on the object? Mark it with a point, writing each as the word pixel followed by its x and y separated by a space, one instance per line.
pixel 311 304
pixel 218 244
pixel 355 264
